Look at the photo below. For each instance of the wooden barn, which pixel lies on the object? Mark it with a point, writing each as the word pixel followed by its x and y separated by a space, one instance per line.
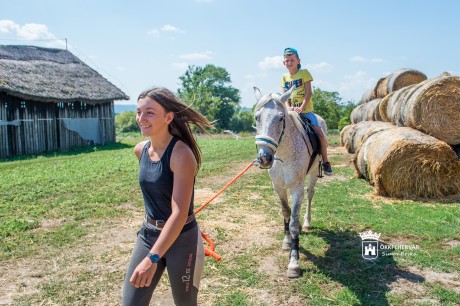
pixel 50 100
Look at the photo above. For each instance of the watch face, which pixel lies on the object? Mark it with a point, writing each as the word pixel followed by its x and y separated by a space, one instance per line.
pixel 154 257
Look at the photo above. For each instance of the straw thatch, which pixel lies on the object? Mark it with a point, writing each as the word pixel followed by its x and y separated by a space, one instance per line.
pixel 433 107
pixel 356 134
pixel 52 75
pixel 403 162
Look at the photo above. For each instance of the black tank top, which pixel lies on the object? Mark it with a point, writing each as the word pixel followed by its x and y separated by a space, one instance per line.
pixel 156 181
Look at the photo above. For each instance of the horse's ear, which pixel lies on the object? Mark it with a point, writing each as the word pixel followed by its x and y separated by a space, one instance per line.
pixel 257 93
pixel 287 94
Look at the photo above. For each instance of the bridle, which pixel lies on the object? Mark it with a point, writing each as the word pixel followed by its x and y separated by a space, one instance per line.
pixel 270 142
pixel 264 139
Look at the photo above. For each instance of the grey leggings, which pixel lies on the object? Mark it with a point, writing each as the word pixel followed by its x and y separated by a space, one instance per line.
pixel 184 261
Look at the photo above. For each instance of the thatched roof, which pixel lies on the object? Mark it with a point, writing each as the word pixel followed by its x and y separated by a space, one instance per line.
pixel 52 75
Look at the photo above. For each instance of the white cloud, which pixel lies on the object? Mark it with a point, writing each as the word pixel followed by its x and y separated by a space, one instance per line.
pixel 321 67
pixel 167 28
pixel 274 62
pixel 180 66
pixel 361 59
pixel 170 28
pixel 8 26
pixel 197 56
pixel 31 31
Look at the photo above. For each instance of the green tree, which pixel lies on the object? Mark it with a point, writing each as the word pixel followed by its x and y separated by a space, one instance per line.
pixel 126 122
pixel 242 121
pixel 327 105
pixel 208 89
pixel 345 116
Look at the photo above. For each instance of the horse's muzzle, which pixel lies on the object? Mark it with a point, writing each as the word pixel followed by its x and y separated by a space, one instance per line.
pixel 265 157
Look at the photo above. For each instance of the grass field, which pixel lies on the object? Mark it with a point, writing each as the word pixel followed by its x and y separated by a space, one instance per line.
pixel 68 223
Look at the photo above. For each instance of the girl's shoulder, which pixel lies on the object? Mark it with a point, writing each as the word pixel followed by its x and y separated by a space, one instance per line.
pixel 139 147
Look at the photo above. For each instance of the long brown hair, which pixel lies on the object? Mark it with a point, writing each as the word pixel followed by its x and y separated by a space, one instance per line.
pixel 183 117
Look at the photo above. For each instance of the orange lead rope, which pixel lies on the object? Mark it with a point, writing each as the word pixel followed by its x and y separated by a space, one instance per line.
pixel 210 251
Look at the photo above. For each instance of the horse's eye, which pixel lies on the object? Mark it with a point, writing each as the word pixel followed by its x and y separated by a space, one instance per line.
pixel 257 117
pixel 282 118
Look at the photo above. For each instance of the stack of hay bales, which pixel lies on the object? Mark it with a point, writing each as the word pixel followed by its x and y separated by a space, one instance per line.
pixel 394 81
pixel 413 154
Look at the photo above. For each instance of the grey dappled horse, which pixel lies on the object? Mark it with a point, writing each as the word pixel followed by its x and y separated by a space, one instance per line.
pixel 285 150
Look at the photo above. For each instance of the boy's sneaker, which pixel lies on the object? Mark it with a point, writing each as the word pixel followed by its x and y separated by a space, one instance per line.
pixel 327 168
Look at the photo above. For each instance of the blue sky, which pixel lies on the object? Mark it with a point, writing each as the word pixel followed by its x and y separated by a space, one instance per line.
pixel 346 45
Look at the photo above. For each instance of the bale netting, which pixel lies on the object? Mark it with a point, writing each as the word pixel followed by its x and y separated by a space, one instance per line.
pixel 406 163
pixel 433 107
pixel 358 133
pixel 365 112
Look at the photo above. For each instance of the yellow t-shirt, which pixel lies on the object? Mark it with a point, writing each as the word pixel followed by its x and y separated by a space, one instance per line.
pixel 298 80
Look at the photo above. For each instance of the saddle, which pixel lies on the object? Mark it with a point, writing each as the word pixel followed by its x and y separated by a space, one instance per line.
pixel 312 136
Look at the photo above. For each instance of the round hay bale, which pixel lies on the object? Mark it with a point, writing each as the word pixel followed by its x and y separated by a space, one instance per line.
pixel 404 77
pixel 383 107
pixel 357 114
pixel 394 105
pixel 382 88
pixel 369 109
pixel 345 134
pixel 406 163
pixel 433 107
pixel 359 132
pixel 367 96
pixel 364 112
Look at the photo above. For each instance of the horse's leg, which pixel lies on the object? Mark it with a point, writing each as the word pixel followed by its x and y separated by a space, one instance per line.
pixel 294 227
pixel 282 194
pixel 310 192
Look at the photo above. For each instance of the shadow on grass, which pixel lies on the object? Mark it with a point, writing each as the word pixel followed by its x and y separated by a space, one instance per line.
pixel 75 151
pixel 369 280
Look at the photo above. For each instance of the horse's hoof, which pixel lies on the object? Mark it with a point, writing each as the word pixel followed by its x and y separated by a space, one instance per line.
pixel 286 246
pixel 306 227
pixel 293 271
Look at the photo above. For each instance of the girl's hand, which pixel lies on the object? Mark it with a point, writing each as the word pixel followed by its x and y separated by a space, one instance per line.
pixel 143 274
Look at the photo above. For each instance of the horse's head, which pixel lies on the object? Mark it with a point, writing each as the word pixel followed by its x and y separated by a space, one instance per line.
pixel 270 114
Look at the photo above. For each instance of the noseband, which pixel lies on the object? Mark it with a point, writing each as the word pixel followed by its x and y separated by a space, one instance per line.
pixel 270 142
pixel 265 140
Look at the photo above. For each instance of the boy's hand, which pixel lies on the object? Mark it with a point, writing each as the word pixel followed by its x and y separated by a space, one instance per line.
pixel 298 110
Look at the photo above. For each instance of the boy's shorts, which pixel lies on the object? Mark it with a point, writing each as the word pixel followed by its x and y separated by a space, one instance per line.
pixel 311 117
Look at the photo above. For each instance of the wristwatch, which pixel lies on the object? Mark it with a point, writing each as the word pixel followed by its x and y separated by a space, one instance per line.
pixel 153 257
